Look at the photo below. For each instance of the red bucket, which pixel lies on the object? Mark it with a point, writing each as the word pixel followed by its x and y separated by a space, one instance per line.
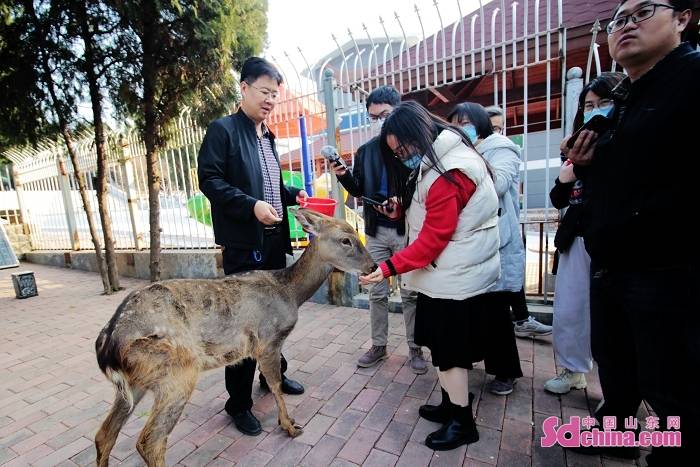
pixel 323 205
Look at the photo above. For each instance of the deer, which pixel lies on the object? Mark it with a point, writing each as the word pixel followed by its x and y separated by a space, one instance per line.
pixel 162 336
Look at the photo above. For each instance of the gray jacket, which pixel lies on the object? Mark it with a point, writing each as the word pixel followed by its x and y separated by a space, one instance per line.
pixel 504 157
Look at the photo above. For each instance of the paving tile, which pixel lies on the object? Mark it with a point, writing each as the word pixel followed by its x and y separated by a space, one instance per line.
pixel 66 452
pixel 53 397
pixel 379 458
pixel 315 429
pixel 507 458
pixel 291 455
pixel 337 404
pixel 323 453
pixel 255 458
pixel 379 417
pixel 517 436
pixel 207 452
pixel 415 455
pixel 359 445
pixel 395 438
pixel 346 424
pixel 448 458
pixel 486 450
pixel 366 399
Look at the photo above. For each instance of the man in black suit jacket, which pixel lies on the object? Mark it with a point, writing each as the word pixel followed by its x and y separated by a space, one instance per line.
pixel 240 174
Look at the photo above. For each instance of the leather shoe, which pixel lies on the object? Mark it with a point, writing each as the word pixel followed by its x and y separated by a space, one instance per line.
pixel 247 423
pixel 289 386
pixel 440 413
pixel 459 430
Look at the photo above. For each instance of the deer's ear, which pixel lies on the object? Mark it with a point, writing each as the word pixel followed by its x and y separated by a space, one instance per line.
pixel 310 220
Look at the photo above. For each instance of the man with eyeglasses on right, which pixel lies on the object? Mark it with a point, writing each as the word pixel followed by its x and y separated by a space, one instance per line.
pixel 642 179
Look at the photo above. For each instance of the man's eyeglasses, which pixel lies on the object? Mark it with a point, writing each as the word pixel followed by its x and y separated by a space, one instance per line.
pixel 637 16
pixel 381 116
pixel 273 95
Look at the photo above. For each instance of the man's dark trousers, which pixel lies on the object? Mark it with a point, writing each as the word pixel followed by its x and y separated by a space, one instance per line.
pixel 645 338
pixel 239 378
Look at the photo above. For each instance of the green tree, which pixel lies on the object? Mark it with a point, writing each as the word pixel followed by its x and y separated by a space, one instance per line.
pixel 96 25
pixel 181 54
pixel 57 62
pixel 22 113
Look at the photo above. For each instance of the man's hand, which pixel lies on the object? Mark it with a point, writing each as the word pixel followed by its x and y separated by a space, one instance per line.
pixel 391 208
pixel 338 169
pixel 265 213
pixel 566 172
pixel 372 278
pixel 302 196
pixel 582 152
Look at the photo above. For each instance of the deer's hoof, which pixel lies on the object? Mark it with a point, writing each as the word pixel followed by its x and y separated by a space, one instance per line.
pixel 291 422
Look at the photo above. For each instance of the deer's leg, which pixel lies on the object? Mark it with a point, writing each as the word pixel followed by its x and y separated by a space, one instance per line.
pixel 171 395
pixel 269 363
pixel 109 431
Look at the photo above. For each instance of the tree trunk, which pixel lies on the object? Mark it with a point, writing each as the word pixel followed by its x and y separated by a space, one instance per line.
pixel 102 185
pixel 80 177
pixel 150 135
pixel 68 139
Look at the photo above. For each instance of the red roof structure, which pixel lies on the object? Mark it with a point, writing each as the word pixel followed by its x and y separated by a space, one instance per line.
pixel 501 34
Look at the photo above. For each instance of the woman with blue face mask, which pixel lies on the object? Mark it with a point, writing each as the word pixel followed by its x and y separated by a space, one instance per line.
pixel 451 212
pixel 501 352
pixel 472 123
pixel 571 324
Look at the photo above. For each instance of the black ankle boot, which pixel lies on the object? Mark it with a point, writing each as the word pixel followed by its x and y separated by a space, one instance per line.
pixel 439 413
pixel 459 430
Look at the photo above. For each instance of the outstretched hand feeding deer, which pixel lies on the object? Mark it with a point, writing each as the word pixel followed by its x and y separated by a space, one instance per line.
pixel 163 335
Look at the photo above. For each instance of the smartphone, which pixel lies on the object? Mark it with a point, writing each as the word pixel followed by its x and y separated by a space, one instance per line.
pixel 332 156
pixel 339 163
pixel 374 202
pixel 598 124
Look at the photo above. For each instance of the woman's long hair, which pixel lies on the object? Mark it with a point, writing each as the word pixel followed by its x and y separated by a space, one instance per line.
pixel 412 125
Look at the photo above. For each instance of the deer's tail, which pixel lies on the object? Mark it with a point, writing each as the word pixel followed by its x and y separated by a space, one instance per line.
pixel 110 362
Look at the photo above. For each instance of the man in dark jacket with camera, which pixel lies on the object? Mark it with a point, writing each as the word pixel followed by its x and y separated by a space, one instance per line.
pixel 239 172
pixel 645 331
pixel 385 237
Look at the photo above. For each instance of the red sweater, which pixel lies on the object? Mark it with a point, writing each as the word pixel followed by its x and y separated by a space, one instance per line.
pixel 445 201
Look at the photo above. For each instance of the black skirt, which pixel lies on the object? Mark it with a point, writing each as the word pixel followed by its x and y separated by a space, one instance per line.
pixel 453 330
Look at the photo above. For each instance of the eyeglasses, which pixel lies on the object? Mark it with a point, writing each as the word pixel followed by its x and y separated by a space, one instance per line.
pixel 602 104
pixel 381 116
pixel 637 16
pixel 273 95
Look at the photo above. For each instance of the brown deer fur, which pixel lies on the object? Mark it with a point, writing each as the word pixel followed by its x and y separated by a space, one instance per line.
pixel 163 335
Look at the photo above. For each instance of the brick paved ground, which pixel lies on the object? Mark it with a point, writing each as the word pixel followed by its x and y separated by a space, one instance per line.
pixel 53 397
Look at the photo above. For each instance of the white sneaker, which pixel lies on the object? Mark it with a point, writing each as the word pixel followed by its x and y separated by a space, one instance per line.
pixel 532 328
pixel 565 382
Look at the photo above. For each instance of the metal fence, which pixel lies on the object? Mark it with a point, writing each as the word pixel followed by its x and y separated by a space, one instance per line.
pixel 50 203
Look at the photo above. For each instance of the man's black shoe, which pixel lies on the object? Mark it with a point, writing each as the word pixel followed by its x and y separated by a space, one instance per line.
pixel 621 452
pixel 247 423
pixel 289 386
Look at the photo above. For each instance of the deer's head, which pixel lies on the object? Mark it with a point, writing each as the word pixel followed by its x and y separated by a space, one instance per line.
pixel 336 242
